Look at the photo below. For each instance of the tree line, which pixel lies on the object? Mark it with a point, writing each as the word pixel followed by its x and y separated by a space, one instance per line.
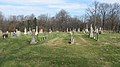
pixel 106 16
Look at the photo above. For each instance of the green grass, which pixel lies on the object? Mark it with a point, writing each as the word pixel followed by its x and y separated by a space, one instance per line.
pixel 55 51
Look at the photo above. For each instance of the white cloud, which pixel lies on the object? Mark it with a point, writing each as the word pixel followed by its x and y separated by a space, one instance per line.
pixel 70 6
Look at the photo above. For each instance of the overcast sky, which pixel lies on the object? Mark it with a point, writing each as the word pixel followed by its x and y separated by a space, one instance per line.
pixel 51 7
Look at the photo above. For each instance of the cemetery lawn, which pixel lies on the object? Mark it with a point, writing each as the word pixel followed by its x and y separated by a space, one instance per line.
pixel 55 51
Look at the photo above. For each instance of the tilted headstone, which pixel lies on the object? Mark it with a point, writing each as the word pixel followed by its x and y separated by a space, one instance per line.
pixel 36 32
pixel 25 31
pixel 91 31
pixel 33 41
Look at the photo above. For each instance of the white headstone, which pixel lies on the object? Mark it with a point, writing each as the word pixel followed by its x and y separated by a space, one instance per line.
pixel 78 29
pixel 18 33
pixel 86 30
pixel 36 32
pixel 72 38
pixel 25 31
pixel 41 31
pixel 50 31
pixel 96 30
pixel 83 31
pixel 29 32
pixel 100 30
pixel 91 31
pixel 67 30
pixel 74 30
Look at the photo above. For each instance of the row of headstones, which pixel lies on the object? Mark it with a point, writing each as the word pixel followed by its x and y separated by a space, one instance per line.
pixel 14 34
pixel 36 31
pixel 95 33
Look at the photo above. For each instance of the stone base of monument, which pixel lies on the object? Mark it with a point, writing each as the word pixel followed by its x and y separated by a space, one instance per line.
pixel 33 41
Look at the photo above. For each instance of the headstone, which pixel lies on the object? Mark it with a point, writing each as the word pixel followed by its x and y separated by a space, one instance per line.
pixel 83 31
pixel 86 29
pixel 50 31
pixel 67 30
pixel 18 33
pixel 74 30
pixel 41 31
pixel 78 29
pixel 72 40
pixel 36 32
pixel 29 32
pixel 25 31
pixel 33 41
pixel 100 30
pixel 96 34
pixel 91 31
pixel 57 31
pixel 14 34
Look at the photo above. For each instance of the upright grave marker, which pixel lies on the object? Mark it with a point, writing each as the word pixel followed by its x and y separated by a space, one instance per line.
pixel 18 33
pixel 91 31
pixel 50 30
pixel 36 32
pixel 33 41
pixel 25 31
pixel 72 40
pixel 41 31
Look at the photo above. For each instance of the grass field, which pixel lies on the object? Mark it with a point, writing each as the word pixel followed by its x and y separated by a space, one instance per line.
pixel 55 51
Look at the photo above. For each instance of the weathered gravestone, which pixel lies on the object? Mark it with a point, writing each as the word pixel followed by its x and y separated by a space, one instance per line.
pixel 72 40
pixel 91 31
pixel 96 34
pixel 18 33
pixel 29 32
pixel 25 31
pixel 50 30
pixel 36 32
pixel 100 30
pixel 78 30
pixel 14 34
pixel 83 31
pixel 67 30
pixel 41 31
pixel 86 29
pixel 33 41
